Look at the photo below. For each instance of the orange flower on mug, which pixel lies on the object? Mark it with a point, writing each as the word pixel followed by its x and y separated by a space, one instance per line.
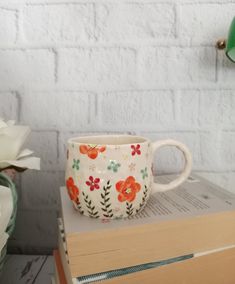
pixel 91 151
pixel 127 189
pixel 73 190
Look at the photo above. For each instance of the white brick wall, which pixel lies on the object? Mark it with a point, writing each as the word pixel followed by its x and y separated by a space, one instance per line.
pixel 70 67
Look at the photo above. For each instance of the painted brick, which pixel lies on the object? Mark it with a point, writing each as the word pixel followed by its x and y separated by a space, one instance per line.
pixel 21 68
pixel 9 106
pixel 177 65
pixel 63 138
pixel 40 190
pixel 135 21
pixel 44 145
pixel 138 109
pixel 210 150
pixel 58 110
pixel 228 149
pixel 204 22
pixel 188 107
pixel 217 107
pixel 58 23
pixel 169 159
pixel 226 70
pixel 97 67
pixel 8 28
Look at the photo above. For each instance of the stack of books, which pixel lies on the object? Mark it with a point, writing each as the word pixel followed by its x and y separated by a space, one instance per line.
pixel 186 235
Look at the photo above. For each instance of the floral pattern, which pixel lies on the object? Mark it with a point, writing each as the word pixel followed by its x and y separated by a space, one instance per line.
pixel 135 150
pixel 93 183
pixel 73 190
pixel 113 181
pixel 132 167
pixel 113 166
pixel 127 189
pixel 91 151
pixel 76 164
pixel 144 173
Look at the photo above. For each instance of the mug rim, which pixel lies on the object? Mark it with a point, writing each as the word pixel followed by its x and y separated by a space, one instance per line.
pixel 136 140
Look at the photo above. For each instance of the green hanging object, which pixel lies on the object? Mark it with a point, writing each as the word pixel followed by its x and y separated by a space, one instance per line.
pixel 230 44
pixel 6 181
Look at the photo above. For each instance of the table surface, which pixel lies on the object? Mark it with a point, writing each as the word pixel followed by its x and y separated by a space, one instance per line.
pixel 27 269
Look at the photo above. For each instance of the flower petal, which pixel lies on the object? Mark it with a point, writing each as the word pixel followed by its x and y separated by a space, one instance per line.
pixel 69 181
pixel 96 186
pixel 83 149
pixel 136 186
pixel 92 153
pixel 129 181
pixel 121 197
pixel 96 180
pixel 119 185
pixel 131 196
pixel 102 149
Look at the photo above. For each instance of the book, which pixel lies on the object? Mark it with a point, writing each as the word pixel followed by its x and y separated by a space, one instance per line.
pixel 59 270
pixel 107 274
pixel 197 216
pixel 211 268
pixel 185 269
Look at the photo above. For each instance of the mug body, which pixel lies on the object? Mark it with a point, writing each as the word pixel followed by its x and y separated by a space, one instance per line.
pixel 109 176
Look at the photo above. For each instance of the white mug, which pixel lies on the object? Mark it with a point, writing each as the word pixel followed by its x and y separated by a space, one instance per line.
pixel 110 176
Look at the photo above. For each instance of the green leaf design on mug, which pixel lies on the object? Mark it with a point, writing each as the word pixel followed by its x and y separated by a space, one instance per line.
pixel 76 164
pixel 113 166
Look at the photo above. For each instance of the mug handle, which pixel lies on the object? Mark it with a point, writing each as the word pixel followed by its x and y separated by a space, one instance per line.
pixel 157 187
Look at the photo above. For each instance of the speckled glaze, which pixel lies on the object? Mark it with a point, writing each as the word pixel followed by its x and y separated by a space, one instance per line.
pixel 110 176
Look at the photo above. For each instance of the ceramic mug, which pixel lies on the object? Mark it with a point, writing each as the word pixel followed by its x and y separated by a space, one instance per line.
pixel 110 176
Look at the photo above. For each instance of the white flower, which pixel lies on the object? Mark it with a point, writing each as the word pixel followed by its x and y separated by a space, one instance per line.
pixel 12 138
